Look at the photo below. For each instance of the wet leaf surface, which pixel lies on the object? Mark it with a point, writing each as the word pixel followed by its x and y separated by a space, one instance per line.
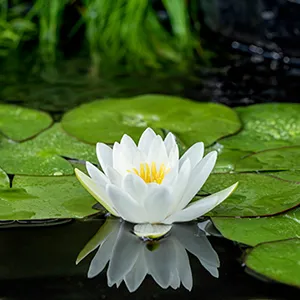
pixel 275 159
pixel 252 231
pixel 33 197
pixel 19 123
pixel 266 126
pixel 256 195
pixel 108 120
pixel 4 180
pixel 277 260
pixel 43 154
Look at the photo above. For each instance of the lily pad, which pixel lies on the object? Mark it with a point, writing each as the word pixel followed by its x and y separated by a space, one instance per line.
pixel 270 160
pixel 266 126
pixel 227 158
pixel 44 154
pixel 19 123
pixel 277 260
pixel 252 231
pixel 107 120
pixel 256 195
pixel 4 180
pixel 33 197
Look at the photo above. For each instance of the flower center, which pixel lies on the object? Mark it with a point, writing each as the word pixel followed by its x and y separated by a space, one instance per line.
pixel 151 173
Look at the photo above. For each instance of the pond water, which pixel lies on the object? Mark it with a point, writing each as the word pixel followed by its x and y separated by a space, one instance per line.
pixel 38 262
pixel 38 259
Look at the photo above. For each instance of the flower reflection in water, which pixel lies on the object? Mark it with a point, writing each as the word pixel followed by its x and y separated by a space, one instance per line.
pixel 131 258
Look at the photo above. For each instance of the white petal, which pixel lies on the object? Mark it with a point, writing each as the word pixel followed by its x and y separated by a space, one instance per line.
pixel 170 142
pixel 126 206
pixel 194 154
pixel 124 254
pixel 201 207
pixel 120 162
pixel 146 140
pixel 135 277
pixel 127 141
pixel 174 157
pixel 96 191
pixel 104 155
pixel 197 178
pixel 157 152
pixel 114 176
pixel 181 183
pixel 96 174
pixel 158 203
pixel 170 177
pixel 151 230
pixel 128 148
pixel 116 150
pixel 135 186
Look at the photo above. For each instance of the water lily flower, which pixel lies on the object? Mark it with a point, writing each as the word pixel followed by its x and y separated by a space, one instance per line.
pixel 130 259
pixel 149 185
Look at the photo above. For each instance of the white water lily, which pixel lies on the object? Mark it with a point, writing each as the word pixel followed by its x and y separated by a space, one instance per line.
pixel 149 185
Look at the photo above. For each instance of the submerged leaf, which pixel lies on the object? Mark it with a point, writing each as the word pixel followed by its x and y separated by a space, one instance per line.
pixel 107 120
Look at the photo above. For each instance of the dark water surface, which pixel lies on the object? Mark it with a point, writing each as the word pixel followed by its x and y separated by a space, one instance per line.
pixel 39 263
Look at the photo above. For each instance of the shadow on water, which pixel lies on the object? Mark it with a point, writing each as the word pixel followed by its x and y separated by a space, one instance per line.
pixel 40 263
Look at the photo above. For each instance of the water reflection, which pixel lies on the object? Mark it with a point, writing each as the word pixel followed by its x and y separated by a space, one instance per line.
pixel 130 258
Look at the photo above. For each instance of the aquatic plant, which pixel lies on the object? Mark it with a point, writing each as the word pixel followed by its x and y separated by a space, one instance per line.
pixel 124 35
pixel 149 185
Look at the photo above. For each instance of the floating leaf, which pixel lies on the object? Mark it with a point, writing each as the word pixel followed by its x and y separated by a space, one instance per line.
pixel 252 231
pixel 256 195
pixel 34 197
pixel 43 154
pixel 4 180
pixel 266 126
pixel 108 120
pixel 227 158
pixel 19 123
pixel 277 260
pixel 270 160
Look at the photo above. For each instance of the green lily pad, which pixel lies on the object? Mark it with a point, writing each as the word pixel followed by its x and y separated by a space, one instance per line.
pixel 4 180
pixel 107 120
pixel 256 195
pixel 227 158
pixel 270 160
pixel 19 123
pixel 253 231
pixel 277 260
pixel 33 197
pixel 293 176
pixel 266 126
pixel 43 154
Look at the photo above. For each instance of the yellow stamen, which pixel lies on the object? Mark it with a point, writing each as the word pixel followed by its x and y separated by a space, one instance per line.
pixel 150 174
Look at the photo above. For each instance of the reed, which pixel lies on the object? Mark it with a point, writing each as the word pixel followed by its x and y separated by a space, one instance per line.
pixel 122 34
